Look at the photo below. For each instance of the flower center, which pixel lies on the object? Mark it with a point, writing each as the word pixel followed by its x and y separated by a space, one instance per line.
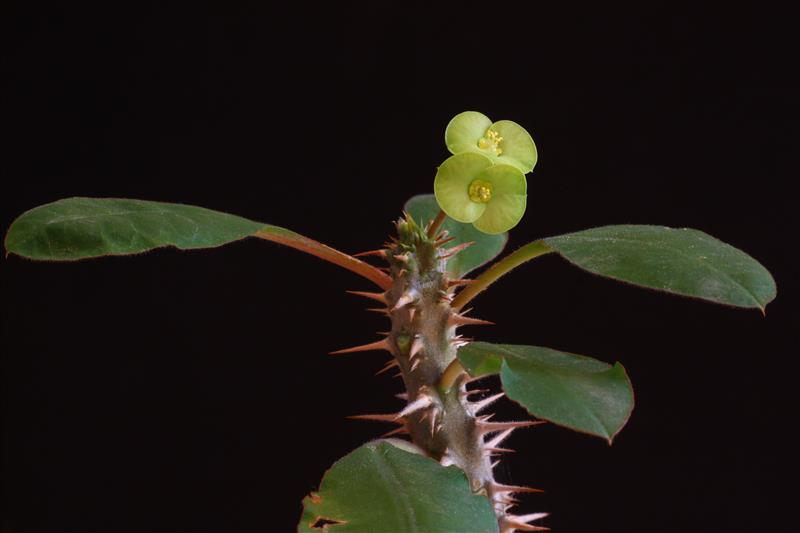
pixel 480 191
pixel 491 141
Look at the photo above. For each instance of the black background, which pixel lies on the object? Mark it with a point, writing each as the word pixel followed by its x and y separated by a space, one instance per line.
pixel 191 391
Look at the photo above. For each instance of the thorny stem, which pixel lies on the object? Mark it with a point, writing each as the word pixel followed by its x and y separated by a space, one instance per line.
pixel 436 224
pixel 498 270
pixel 442 417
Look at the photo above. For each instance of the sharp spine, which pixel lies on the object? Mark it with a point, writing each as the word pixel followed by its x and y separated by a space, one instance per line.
pixel 491 452
pixel 480 405
pixel 382 344
pixel 513 489
pixel 446 459
pixel 416 347
pixel 379 253
pixel 408 297
pixel 450 252
pixel 511 523
pixel 495 441
pixel 391 364
pixel 443 239
pixel 484 428
pixel 461 320
pixel 422 402
pixel 402 430
pixel 379 296
pixel 393 418
pixel 432 419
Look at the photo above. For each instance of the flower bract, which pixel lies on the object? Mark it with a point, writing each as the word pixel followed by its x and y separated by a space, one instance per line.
pixel 503 141
pixel 470 187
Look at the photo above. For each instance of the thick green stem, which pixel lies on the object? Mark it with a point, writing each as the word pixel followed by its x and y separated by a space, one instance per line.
pixel 445 420
pixel 441 421
pixel 498 270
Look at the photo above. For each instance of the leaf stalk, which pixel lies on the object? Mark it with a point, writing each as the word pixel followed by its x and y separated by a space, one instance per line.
pixel 498 270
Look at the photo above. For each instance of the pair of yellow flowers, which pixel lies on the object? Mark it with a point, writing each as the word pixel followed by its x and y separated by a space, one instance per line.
pixel 484 183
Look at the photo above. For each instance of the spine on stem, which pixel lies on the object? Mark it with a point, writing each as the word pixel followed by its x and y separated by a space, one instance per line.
pixel 442 417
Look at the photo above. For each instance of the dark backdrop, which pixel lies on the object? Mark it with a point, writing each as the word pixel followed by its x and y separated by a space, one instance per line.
pixel 191 391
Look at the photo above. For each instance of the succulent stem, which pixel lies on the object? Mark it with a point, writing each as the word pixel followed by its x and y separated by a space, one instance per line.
pixel 439 415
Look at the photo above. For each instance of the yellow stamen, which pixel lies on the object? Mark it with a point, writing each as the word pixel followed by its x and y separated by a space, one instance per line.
pixel 491 141
pixel 480 191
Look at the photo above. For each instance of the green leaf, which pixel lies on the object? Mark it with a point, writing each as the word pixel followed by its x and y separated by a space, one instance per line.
pixel 379 487
pixel 570 390
pixel 79 228
pixel 82 228
pixel 682 261
pixel 424 208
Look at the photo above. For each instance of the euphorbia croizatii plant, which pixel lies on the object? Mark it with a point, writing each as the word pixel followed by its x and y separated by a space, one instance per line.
pixel 433 472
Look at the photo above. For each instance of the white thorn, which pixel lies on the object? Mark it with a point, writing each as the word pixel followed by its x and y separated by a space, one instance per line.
pixel 485 427
pixel 408 297
pixel 511 489
pixel 478 406
pixel 495 441
pixel 416 346
pixel 446 460
pixel 434 413
pixel 422 402
pixel 531 517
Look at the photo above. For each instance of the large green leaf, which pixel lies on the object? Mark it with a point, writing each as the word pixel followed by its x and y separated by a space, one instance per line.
pixel 682 261
pixel 570 390
pixel 424 208
pixel 81 228
pixel 381 488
